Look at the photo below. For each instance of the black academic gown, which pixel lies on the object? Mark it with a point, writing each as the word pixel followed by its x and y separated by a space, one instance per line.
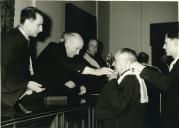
pixel 119 106
pixel 53 68
pixel 14 67
pixel 170 84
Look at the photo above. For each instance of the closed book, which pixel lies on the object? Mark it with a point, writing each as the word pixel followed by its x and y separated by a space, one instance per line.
pixel 55 100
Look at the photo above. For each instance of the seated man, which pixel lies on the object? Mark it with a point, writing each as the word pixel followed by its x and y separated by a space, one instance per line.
pixel 123 101
pixel 56 64
pixel 91 57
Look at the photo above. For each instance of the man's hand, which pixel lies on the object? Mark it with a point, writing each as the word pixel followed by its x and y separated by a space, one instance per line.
pixel 82 90
pixel 112 76
pixel 97 72
pixel 29 92
pixel 34 86
pixel 136 65
pixel 70 84
pixel 104 71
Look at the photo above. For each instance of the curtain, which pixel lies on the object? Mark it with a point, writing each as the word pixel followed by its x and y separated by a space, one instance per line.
pixel 7 16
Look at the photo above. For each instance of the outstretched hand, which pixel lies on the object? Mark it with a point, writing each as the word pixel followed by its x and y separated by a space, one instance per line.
pixel 105 71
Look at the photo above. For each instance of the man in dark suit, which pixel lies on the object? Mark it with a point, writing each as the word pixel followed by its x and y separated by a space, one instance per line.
pixel 56 64
pixel 168 82
pixel 123 101
pixel 15 58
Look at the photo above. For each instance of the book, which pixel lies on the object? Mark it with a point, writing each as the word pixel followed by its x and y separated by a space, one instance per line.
pixel 56 100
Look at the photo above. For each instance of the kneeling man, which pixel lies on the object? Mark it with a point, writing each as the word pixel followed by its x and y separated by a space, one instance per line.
pixel 123 101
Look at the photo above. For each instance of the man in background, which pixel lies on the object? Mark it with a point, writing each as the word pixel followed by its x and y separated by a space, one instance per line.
pixel 92 58
pixel 143 58
pixel 154 104
pixel 92 54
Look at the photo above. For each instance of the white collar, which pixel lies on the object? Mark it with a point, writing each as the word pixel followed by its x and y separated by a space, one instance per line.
pixel 143 89
pixel 173 62
pixel 23 33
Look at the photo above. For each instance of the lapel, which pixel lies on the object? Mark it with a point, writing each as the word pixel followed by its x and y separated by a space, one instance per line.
pixel 23 50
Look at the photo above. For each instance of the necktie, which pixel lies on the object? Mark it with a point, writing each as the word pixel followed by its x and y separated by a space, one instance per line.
pixel 173 63
pixel 30 66
pixel 30 59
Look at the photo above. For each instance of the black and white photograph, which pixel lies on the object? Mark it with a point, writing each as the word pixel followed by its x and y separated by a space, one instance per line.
pixel 89 64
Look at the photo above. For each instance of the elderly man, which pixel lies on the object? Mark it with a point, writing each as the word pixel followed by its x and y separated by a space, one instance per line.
pixel 56 64
pixel 122 103
pixel 168 82
pixel 16 63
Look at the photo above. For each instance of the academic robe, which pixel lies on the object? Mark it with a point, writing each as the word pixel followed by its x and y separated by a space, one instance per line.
pixel 53 68
pixel 119 106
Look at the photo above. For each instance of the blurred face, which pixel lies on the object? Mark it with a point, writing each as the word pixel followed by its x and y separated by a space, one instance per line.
pixel 121 63
pixel 73 46
pixel 34 26
pixel 93 47
pixel 170 46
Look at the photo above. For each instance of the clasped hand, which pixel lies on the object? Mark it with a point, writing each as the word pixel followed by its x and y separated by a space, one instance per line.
pixel 70 84
pixel 82 90
pixel 34 86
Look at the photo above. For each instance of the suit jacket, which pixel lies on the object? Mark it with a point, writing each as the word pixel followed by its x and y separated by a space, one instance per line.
pixel 121 104
pixel 14 66
pixel 53 68
pixel 169 83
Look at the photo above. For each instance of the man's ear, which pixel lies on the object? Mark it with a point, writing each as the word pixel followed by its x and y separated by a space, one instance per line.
pixel 177 45
pixel 29 21
pixel 67 44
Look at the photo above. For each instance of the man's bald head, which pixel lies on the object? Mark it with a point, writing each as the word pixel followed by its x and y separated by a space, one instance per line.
pixel 73 44
pixel 124 58
pixel 127 54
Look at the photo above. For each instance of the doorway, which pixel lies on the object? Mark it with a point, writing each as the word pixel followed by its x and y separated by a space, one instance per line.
pixel 80 21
